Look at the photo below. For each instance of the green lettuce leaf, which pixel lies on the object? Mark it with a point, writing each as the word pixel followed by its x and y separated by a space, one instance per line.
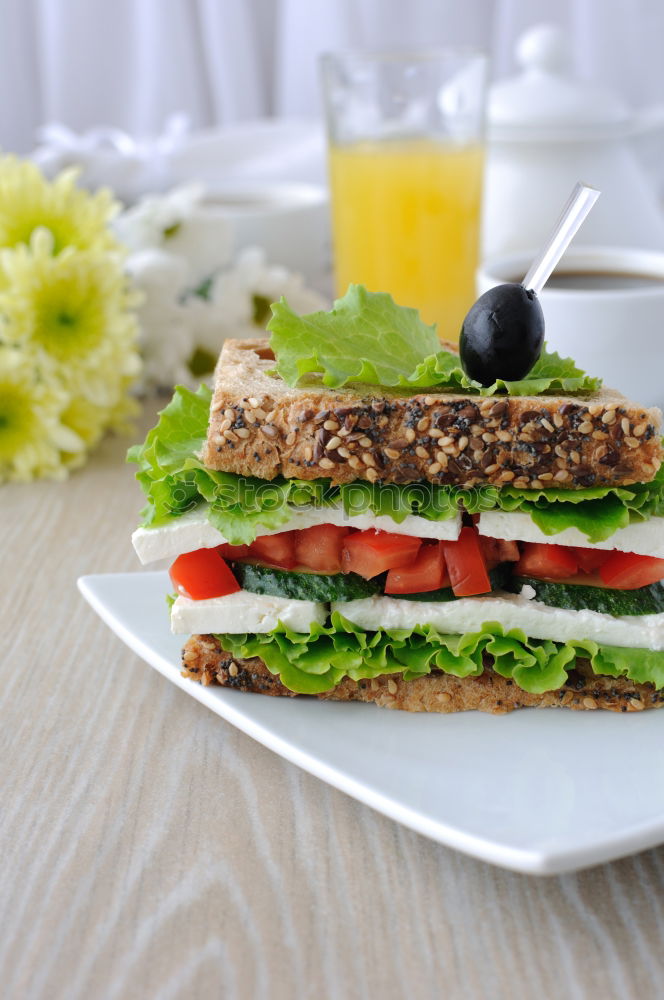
pixel 549 374
pixel 597 512
pixel 314 662
pixel 178 435
pixel 366 337
pixel 436 503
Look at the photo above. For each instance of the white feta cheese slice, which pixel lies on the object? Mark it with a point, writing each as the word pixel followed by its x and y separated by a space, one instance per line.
pixel 183 534
pixel 644 537
pixel 244 612
pixel 537 620
pixel 194 531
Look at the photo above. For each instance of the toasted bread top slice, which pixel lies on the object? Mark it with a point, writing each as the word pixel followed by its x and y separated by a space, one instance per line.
pixel 259 426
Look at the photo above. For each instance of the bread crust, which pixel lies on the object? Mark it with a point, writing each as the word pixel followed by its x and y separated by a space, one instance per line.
pixel 261 427
pixel 204 660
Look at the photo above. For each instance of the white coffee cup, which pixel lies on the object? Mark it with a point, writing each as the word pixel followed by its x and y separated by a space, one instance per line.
pixel 614 332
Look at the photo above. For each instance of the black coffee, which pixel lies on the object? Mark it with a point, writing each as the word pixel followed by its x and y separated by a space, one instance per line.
pixel 589 281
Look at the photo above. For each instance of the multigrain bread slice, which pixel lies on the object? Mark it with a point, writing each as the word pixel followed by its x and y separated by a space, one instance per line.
pixel 203 659
pixel 261 427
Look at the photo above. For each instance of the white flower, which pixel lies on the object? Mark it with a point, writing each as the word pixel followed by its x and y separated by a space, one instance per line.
pixel 166 334
pixel 150 222
pixel 180 223
pixel 194 294
pixel 205 241
pixel 239 297
pixel 271 281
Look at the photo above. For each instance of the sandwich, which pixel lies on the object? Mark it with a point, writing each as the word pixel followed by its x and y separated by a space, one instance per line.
pixel 347 514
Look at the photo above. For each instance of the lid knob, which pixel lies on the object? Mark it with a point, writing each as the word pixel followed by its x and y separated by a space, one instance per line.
pixel 545 101
pixel 543 49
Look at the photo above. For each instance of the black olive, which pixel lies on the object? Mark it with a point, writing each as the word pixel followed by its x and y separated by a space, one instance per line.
pixel 502 335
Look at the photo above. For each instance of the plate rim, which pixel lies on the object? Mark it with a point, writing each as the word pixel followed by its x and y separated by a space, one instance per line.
pixel 220 701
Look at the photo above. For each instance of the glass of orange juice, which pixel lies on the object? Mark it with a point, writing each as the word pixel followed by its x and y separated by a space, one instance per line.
pixel 406 157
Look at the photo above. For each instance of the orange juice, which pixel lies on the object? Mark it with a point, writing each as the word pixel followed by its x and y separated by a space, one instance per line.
pixel 405 220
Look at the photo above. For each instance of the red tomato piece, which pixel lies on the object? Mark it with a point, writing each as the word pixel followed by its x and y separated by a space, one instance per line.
pixel 228 551
pixel 319 548
pixel 371 552
pixel 426 573
pixel 275 550
pixel 589 560
pixel 627 571
pixel 546 562
pixel 497 550
pixel 202 574
pixel 465 564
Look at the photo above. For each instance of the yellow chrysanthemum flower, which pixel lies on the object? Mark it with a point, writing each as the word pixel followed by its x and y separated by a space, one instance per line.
pixel 73 216
pixel 33 438
pixel 73 311
pixel 90 421
pixel 68 333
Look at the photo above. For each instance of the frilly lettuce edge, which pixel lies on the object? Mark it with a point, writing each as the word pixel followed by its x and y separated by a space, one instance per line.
pixel 315 662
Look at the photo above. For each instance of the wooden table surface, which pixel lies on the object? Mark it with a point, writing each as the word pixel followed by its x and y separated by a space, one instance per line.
pixel 149 849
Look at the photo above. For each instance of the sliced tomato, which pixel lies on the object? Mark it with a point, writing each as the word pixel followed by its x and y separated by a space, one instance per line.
pixel 426 573
pixel 465 564
pixel 202 574
pixel 546 562
pixel 228 551
pixel 497 550
pixel 371 552
pixel 627 571
pixel 275 550
pixel 589 560
pixel 319 548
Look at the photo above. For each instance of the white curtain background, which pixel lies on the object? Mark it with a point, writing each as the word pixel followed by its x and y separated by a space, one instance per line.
pixel 131 63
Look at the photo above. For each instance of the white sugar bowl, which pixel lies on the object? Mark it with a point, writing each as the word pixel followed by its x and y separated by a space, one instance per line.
pixel 547 130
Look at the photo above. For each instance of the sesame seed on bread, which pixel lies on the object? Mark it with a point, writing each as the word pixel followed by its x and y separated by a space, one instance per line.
pixel 259 426
pixel 204 660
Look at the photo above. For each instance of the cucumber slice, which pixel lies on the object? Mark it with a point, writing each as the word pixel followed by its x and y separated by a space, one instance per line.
pixel 439 596
pixel 579 597
pixel 498 578
pixel 337 586
pixel 306 586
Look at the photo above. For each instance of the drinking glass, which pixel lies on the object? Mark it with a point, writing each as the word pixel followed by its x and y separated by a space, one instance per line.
pixel 406 158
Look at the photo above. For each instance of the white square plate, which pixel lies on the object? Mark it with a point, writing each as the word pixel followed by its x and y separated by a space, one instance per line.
pixel 539 791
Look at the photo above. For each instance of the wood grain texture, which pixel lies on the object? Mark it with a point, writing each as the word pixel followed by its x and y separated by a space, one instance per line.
pixel 151 850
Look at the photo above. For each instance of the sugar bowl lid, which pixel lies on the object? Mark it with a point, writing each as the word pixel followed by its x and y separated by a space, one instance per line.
pixel 544 102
